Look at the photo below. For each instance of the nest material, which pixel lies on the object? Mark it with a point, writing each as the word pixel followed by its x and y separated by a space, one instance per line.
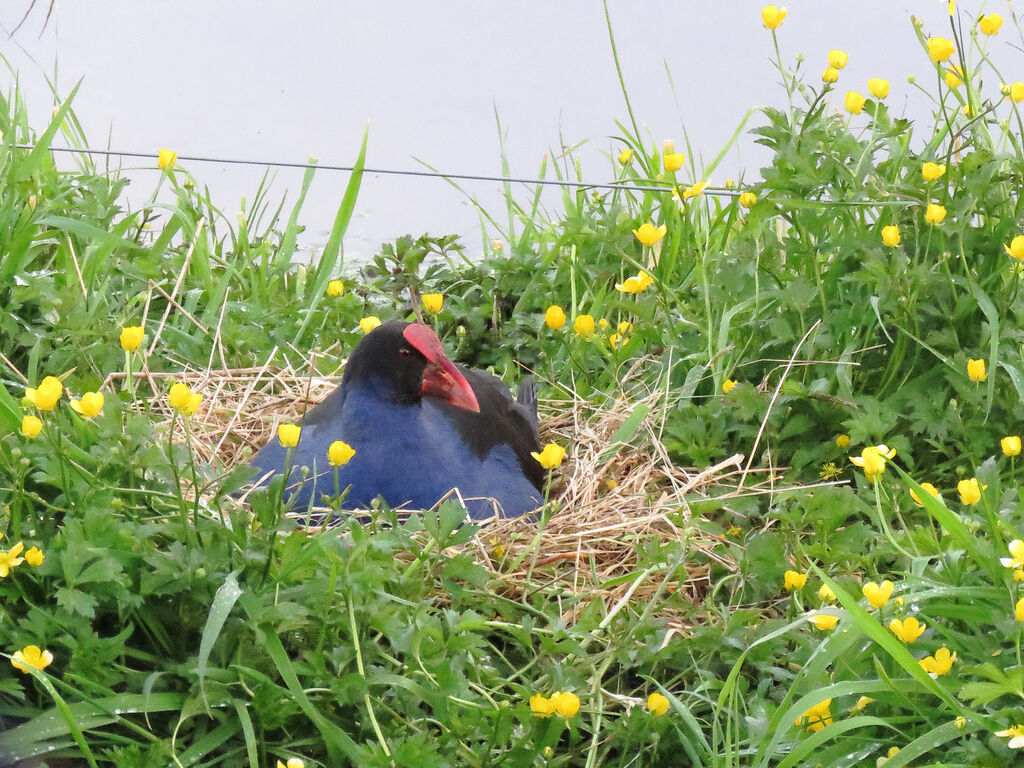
pixel 610 497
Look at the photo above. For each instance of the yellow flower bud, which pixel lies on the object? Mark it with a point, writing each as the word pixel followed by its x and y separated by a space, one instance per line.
pixel 288 435
pixel 830 75
pixel 131 337
pixel 554 317
pixel 976 370
pixel 166 159
pixel 854 102
pixel 657 704
pixel 935 213
pixel 837 59
pixel 433 302
pixel 336 289
pixel 369 322
pixel 747 199
pixel 1010 445
pixel 878 87
pixel 891 235
pixel 625 157
pixel 339 453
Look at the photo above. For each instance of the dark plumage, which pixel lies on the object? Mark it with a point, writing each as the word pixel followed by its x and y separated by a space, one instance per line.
pixel 420 427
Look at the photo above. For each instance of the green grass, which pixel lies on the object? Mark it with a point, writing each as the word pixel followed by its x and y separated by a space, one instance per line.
pixel 178 639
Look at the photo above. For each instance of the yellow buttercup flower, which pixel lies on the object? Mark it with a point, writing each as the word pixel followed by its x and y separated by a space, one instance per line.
pixel 830 75
pixel 433 302
pixel 872 460
pixel 935 213
pixel 823 621
pixel 976 370
pixel 1016 558
pixel 878 87
pixel 747 199
pixel 1018 610
pixel 817 717
pixel 930 489
pixel 288 435
pixel 34 557
pixel 293 762
pixel 166 159
pixel 541 706
pixel 551 457
pixel 1016 248
pixel 602 323
pixel 862 702
pixel 990 23
pixel 31 657
pixel 931 171
pixel 693 191
pixel 674 161
pixel 940 49
pixel 877 594
pixel 648 234
pixel 339 453
pixel 617 340
pixel 1017 92
pixel 772 16
pixel 565 704
pixel 369 322
pixel 131 337
pixel 45 396
pixel 625 328
pixel 554 317
pixel 635 284
pixel 728 384
pixel 31 426
pixel 11 559
pixel 843 441
pixel 583 325
pixel 1016 736
pixel 90 406
pixel 657 704
pixel 626 157
pixel 939 664
pixel 970 491
pixel 954 76
pixel 826 594
pixel 908 630
pixel 891 235
pixel 184 400
pixel 794 580
pixel 1010 445
pixel 854 102
pixel 837 59
pixel 336 289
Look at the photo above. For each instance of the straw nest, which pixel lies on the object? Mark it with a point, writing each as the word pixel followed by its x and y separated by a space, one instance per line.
pixel 611 496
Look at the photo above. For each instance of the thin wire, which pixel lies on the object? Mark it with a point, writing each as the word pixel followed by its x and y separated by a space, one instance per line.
pixel 624 186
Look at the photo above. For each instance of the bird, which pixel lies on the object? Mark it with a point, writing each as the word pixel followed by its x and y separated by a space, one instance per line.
pixel 421 427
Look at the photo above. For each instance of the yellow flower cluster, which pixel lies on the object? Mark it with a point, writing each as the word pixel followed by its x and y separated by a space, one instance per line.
pixel 560 703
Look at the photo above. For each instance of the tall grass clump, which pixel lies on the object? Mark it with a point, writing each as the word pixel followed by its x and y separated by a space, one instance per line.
pixel 788 530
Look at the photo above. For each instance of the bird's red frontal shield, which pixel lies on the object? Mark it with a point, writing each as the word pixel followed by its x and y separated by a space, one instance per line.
pixel 440 378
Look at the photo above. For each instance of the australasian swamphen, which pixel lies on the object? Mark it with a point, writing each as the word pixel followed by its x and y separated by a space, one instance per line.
pixel 420 426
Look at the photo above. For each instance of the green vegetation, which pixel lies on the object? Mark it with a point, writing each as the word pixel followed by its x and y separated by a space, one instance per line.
pixel 839 308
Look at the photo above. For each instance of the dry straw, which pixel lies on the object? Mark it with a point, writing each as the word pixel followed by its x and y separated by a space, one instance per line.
pixel 613 497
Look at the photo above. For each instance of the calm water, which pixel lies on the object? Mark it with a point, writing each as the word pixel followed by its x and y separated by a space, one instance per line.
pixel 253 80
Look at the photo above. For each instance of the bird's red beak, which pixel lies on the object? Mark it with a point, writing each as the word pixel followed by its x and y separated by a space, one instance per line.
pixel 440 378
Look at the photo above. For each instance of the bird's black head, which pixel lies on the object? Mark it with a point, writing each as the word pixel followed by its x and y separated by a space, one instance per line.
pixel 404 362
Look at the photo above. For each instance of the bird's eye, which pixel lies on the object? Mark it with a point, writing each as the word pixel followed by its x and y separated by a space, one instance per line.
pixel 403 352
